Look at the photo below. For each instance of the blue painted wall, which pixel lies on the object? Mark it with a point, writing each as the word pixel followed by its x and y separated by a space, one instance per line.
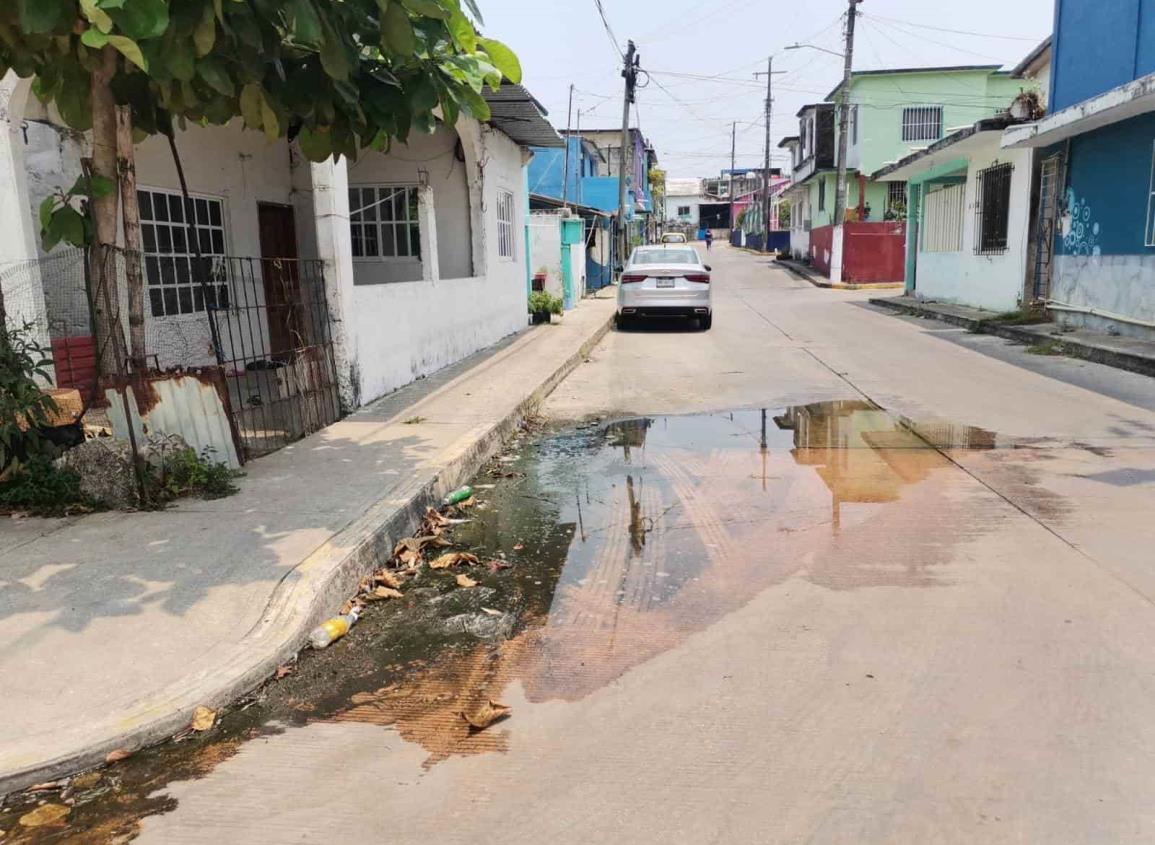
pixel 547 169
pixel 1100 45
pixel 1109 186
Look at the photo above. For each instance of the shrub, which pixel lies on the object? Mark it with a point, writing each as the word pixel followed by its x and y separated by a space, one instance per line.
pixel 24 408
pixel 41 488
pixel 541 300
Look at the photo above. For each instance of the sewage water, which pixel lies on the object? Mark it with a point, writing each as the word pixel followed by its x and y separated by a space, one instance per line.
pixel 622 538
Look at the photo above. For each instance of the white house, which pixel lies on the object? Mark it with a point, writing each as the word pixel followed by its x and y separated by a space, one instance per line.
pixel 684 199
pixel 393 266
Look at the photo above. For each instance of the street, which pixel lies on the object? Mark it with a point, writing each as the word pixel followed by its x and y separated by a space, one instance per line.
pixel 929 624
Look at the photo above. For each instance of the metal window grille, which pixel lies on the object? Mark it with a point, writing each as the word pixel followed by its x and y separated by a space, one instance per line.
pixel 992 208
pixel 854 124
pixel 895 194
pixel 1151 203
pixel 505 224
pixel 383 222
pixel 169 254
pixel 942 226
pixel 922 123
pixel 822 195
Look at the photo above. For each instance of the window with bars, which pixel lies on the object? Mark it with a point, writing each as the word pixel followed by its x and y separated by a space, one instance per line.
pixel 683 211
pixel 383 222
pixel 167 226
pixel 505 224
pixel 922 123
pixel 895 194
pixel 821 194
pixel 992 208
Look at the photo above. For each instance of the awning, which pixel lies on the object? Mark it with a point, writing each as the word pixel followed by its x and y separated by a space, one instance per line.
pixel 1118 104
pixel 957 145
pixel 542 200
pixel 519 115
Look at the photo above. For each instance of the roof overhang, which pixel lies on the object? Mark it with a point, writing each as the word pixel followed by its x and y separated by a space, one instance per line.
pixel 958 145
pixel 519 115
pixel 555 202
pixel 1036 58
pixel 789 140
pixel 1118 104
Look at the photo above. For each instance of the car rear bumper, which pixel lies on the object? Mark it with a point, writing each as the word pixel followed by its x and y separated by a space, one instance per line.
pixel 664 311
pixel 649 299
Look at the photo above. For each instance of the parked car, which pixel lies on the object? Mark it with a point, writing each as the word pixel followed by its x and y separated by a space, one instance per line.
pixel 667 280
pixel 673 238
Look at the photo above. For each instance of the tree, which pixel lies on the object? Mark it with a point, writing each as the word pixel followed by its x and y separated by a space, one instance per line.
pixel 336 75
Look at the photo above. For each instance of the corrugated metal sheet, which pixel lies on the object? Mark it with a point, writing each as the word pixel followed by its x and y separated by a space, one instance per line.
pixel 942 228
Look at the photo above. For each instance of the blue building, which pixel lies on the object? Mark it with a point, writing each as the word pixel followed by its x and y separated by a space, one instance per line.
pixel 1093 261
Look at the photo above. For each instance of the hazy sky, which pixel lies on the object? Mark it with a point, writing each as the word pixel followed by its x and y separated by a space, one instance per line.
pixel 687 119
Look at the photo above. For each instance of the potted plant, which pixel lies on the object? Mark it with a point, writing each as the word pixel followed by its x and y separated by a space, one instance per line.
pixel 542 304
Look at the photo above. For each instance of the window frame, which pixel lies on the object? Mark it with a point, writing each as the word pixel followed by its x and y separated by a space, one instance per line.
pixel 921 112
pixel 379 224
pixel 890 194
pixel 506 236
pixel 150 229
pixel 1150 239
pixel 684 210
pixel 993 243
pixel 821 194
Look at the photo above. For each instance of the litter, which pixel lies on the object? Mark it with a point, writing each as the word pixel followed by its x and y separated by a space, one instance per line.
pixel 331 630
pixel 459 495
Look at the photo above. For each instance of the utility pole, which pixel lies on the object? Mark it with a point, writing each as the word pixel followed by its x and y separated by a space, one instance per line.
pixel 733 142
pixel 630 75
pixel 766 165
pixel 844 117
pixel 565 167
pixel 580 150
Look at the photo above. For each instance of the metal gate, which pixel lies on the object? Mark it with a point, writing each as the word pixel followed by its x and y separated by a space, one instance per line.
pixel 276 347
pixel 1051 178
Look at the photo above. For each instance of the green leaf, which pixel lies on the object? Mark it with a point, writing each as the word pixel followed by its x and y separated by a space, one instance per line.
pixel 462 31
pixel 178 57
pixel 205 35
pixel 474 104
pixel 472 4
pixel 93 38
pixel 212 71
pixel 129 49
pixel 316 144
pixel 43 16
pixel 397 30
pixel 96 16
pixel 334 59
pixel 46 209
pixel 269 120
pixel 140 19
pixel 427 8
pixel 422 94
pixel 503 58
pixel 66 225
pixel 251 102
pixel 304 24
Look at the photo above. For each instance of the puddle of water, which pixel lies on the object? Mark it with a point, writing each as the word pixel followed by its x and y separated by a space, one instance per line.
pixel 625 538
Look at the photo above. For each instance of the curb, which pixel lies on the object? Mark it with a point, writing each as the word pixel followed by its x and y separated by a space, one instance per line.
pixel 304 598
pixel 1071 347
pixel 803 272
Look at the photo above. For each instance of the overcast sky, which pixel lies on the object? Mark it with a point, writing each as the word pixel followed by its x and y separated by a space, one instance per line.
pixel 687 119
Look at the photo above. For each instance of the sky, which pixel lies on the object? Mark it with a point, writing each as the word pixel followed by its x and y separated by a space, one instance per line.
pixel 688 118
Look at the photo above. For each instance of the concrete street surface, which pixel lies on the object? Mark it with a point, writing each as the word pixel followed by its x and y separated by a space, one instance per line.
pixel 909 603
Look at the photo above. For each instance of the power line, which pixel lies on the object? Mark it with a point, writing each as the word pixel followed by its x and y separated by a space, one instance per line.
pixel 609 29
pixel 900 28
pixel 957 31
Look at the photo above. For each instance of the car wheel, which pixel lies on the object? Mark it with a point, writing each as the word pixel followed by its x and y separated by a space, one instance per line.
pixel 621 321
pixel 704 323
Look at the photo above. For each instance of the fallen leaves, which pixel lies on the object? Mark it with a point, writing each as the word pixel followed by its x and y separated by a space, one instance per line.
pixel 496 565
pixel 203 719
pixel 484 714
pixel 382 593
pixel 453 559
pixel 284 670
pixel 48 786
pixel 465 581
pixel 45 814
pixel 117 755
pixel 489 611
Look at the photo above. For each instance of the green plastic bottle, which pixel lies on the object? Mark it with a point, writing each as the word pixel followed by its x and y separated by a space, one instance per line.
pixel 459 495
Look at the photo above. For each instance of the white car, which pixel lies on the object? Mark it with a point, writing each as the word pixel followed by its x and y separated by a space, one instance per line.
pixel 673 238
pixel 667 280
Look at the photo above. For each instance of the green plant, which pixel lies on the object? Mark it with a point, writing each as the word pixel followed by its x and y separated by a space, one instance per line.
pixel 24 407
pixel 1047 347
pixel 1022 317
pixel 41 488
pixel 543 302
pixel 185 473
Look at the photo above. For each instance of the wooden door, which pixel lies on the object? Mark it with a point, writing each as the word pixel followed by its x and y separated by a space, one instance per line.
pixel 282 280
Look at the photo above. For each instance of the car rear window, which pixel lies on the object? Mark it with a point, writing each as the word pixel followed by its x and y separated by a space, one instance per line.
pixel 665 256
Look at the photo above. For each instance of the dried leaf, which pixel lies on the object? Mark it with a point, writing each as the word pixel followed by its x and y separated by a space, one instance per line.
pixel 387 593
pixel 387 578
pixel 435 517
pixel 284 670
pixel 47 785
pixel 489 611
pixel 485 714
pixel 117 755
pixel 453 559
pixel 45 814
pixel 203 718
pixel 346 608
pixel 519 547
pixel 468 503
pixel 465 581
pixel 496 566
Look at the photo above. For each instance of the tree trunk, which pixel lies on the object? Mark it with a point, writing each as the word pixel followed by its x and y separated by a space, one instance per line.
pixel 134 259
pixel 102 276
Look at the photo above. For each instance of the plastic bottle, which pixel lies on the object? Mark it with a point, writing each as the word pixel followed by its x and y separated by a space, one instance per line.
pixel 331 630
pixel 458 495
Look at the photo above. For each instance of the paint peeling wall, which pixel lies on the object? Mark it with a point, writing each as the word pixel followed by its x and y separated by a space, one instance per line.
pixel 545 249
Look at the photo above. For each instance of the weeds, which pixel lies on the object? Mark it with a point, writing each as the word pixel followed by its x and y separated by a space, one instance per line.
pixel 1047 347
pixel 41 488
pixel 185 473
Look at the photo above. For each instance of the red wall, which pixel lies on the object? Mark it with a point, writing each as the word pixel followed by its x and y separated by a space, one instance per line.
pixel 820 243
pixel 874 252
pixel 871 252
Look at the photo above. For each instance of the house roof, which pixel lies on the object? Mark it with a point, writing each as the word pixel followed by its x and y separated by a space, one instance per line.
pixel 788 140
pixel 555 202
pixel 519 115
pixel 1126 101
pixel 1039 54
pixel 815 106
pixel 683 187
pixel 904 169
pixel 901 70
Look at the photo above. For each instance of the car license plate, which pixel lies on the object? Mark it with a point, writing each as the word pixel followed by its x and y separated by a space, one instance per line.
pixel 665 281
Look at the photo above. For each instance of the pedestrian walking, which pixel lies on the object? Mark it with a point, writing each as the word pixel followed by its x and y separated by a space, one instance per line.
pixel 709 239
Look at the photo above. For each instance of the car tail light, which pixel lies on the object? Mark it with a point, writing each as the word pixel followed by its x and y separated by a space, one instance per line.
pixel 698 277
pixel 633 277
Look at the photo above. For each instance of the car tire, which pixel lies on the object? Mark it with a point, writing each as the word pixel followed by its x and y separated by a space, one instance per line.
pixel 621 322
pixel 704 323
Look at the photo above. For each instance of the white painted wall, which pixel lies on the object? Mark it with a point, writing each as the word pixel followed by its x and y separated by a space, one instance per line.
pixel 695 203
pixel 404 330
pixel 435 155
pixel 545 249
pixel 993 282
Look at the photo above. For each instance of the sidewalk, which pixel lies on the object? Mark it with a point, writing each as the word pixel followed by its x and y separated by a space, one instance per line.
pixel 810 274
pixel 1124 353
pixel 114 627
